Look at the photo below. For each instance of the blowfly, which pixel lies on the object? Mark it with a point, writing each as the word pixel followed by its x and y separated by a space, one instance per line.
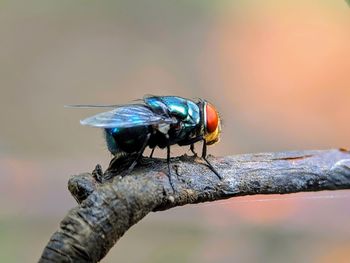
pixel 158 121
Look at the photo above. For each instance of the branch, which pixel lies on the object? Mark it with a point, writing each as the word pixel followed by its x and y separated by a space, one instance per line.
pixel 107 210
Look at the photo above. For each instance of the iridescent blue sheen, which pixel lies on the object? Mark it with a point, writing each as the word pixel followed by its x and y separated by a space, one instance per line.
pixel 184 109
pixel 158 121
pixel 110 141
pixel 164 120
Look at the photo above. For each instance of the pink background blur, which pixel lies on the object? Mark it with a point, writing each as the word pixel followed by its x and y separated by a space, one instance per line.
pixel 278 71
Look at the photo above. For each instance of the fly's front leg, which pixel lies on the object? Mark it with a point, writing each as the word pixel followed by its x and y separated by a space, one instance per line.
pixel 204 152
pixel 191 142
pixel 204 157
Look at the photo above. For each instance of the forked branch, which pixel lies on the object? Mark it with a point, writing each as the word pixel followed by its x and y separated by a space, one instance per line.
pixel 108 209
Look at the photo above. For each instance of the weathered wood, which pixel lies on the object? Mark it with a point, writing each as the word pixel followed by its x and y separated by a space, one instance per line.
pixel 107 210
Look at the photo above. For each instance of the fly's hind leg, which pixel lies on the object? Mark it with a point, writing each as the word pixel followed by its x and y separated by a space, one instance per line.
pixel 152 151
pixel 132 166
pixel 169 168
pixel 204 157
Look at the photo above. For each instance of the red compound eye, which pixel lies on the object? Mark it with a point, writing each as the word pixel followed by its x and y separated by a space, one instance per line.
pixel 212 118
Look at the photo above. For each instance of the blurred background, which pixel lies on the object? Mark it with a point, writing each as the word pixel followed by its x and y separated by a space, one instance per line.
pixel 278 71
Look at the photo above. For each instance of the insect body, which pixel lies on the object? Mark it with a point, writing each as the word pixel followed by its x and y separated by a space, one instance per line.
pixel 160 121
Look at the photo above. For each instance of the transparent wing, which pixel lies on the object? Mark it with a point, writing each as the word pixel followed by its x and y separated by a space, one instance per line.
pixel 126 116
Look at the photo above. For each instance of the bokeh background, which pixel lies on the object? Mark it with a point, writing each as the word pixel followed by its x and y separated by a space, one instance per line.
pixel 278 71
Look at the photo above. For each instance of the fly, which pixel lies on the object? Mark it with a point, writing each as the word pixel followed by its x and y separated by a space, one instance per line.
pixel 159 121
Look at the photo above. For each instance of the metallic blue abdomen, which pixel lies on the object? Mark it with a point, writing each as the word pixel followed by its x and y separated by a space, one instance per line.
pixel 126 140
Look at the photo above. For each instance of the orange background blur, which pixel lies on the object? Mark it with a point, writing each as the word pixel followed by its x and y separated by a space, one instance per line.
pixel 278 71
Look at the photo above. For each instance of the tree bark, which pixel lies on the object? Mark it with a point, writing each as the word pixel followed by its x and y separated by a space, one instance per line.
pixel 110 204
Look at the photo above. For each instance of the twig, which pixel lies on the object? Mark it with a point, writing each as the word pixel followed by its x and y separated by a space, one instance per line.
pixel 107 210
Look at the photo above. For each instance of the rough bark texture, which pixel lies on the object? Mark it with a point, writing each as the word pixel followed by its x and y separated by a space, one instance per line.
pixel 107 210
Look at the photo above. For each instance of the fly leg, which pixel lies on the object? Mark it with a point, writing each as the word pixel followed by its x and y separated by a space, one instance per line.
pixel 191 142
pixel 151 155
pixel 132 166
pixel 204 152
pixel 204 157
pixel 169 168
pixel 192 149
